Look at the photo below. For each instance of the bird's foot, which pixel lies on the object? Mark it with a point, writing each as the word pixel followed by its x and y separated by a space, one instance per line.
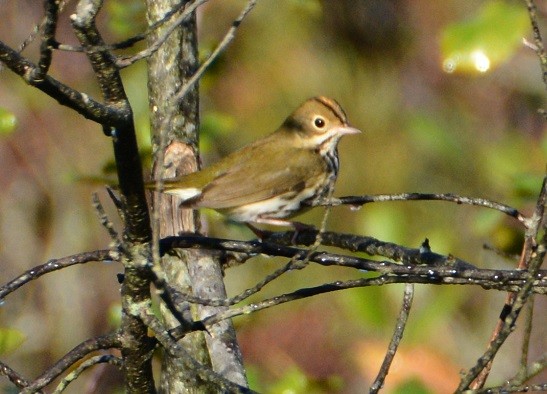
pixel 297 226
pixel 261 234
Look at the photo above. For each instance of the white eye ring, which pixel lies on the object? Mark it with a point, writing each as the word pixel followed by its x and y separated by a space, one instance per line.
pixel 319 122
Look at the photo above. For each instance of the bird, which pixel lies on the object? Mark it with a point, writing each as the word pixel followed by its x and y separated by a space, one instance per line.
pixel 276 177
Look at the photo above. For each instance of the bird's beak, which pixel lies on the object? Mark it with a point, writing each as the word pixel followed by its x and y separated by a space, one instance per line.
pixel 348 130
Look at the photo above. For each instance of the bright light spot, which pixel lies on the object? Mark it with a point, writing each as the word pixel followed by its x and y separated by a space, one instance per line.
pixel 452 62
pixel 480 60
pixel 449 65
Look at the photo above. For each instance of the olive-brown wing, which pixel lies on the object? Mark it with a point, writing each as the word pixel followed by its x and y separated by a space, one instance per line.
pixel 258 180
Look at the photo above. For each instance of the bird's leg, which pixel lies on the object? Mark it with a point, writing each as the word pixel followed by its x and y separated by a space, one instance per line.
pixel 300 227
pixel 261 234
pixel 297 226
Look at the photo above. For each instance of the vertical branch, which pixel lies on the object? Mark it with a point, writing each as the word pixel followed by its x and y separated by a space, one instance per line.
pixel 530 241
pixel 136 345
pixel 175 123
pixel 175 144
pixel 48 37
pixel 532 257
pixel 538 40
pixel 395 339
pixel 174 137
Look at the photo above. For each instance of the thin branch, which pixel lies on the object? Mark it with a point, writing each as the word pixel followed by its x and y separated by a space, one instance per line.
pixel 311 292
pixel 533 369
pixel 104 358
pixel 65 95
pixel 538 40
pixel 127 43
pixel 443 270
pixel 194 368
pixel 304 293
pixel 125 62
pixel 121 127
pixel 14 377
pixel 74 356
pixel 54 265
pixel 110 82
pixel 527 335
pixel 529 388
pixel 175 302
pixel 107 224
pixel 481 202
pixel 226 41
pixel 370 246
pixel 295 263
pixel 48 36
pixel 533 255
pixel 395 339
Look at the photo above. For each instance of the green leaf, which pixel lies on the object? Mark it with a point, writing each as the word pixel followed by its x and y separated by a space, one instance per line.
pixel 485 41
pixel 412 386
pixel 295 381
pixel 527 185
pixel 8 121
pixel 213 125
pixel 114 315
pixel 126 17
pixel 10 339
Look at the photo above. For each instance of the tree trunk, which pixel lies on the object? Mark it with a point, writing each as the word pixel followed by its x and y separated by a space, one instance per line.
pixel 190 271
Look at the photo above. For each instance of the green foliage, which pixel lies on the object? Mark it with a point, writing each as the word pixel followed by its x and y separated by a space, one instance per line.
pixel 10 339
pixel 114 316
pixel 526 185
pixel 432 136
pixel 126 17
pixel 213 125
pixel 364 305
pixel 412 386
pixel 295 381
pixel 8 121
pixel 486 40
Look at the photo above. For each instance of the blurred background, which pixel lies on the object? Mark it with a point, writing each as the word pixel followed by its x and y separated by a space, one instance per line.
pixel 447 95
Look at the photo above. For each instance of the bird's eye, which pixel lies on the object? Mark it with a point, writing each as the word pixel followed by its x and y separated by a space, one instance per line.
pixel 319 122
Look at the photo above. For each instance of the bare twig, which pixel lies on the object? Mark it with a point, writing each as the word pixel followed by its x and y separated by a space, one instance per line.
pixel 228 38
pixel 74 356
pixel 107 224
pixel 173 298
pixel 48 37
pixel 127 43
pixel 13 376
pixel 533 369
pixel 194 368
pixel 527 335
pixel 72 376
pixel 514 302
pixel 362 200
pixel 529 388
pixel 370 246
pixel 41 27
pixel 442 269
pixel 137 346
pixel 523 373
pixel 538 40
pixel 532 258
pixel 188 10
pixel 175 302
pixel 395 339
pixel 65 95
pixel 305 293
pixel 310 292
pixel 54 265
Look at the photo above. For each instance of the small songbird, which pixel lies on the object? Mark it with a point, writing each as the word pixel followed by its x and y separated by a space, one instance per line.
pixel 274 178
